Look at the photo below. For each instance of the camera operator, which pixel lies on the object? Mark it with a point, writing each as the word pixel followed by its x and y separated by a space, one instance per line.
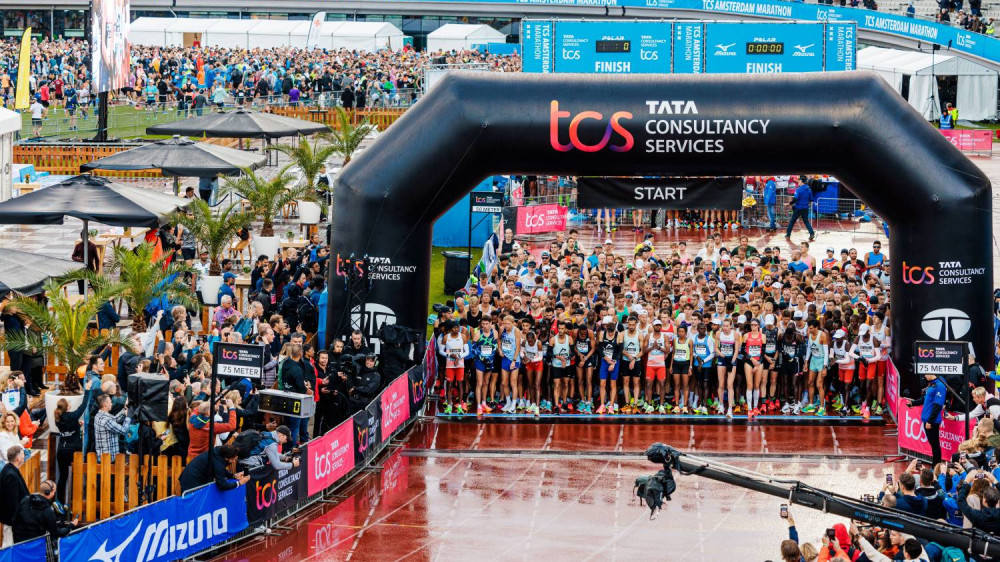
pixel 365 385
pixel 270 446
pixel 36 516
pixel 357 348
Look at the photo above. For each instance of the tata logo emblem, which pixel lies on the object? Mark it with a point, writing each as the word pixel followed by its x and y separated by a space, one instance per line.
pixel 614 126
pixel 803 50
pixel 723 50
pixel 945 324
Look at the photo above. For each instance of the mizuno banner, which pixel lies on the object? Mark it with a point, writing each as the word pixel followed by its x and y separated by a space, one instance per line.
pixel 660 193
pixel 31 550
pixel 172 529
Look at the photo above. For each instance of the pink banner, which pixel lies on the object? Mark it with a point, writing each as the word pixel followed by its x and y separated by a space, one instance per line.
pixel 912 438
pixel 395 406
pixel 331 456
pixel 537 219
pixel 892 390
pixel 970 140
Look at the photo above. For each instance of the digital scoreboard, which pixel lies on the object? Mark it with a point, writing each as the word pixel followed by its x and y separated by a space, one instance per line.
pixel 687 47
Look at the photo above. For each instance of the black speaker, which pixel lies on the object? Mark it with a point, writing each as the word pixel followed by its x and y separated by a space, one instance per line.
pixel 147 397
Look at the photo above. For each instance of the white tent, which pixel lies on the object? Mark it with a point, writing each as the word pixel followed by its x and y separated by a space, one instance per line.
pixel 977 85
pixel 10 123
pixel 458 36
pixel 360 35
pixel 247 34
pixel 166 32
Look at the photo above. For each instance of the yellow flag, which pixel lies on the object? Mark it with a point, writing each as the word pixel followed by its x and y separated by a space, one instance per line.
pixel 23 72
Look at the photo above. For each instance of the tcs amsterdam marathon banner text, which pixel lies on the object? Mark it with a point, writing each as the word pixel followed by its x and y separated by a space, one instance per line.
pixel 660 193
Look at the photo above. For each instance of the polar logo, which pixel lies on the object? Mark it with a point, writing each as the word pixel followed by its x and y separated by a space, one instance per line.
pixel 376 316
pixel 946 324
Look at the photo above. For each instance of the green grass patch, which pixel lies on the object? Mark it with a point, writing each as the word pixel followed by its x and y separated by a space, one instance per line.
pixel 124 121
pixel 437 294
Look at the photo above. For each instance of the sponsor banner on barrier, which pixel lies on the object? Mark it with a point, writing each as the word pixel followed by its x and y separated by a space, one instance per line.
pixel 367 431
pixel 970 140
pixel 537 219
pixel 330 457
pixel 892 390
pixel 913 440
pixel 271 491
pixel 31 550
pixel 395 404
pixel 660 193
pixel 417 389
pixel 171 529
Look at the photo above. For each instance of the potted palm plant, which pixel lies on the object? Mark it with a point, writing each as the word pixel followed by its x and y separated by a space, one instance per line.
pixel 214 232
pixel 310 159
pixel 146 280
pixel 266 198
pixel 61 329
pixel 346 139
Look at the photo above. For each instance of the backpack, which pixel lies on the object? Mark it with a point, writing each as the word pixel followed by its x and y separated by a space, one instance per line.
pixel 247 442
pixel 951 554
pixel 308 316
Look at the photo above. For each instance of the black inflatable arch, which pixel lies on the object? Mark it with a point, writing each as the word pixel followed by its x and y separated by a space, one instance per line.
pixel 850 124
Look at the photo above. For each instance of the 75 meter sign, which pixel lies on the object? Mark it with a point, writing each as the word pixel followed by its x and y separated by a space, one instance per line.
pixel 239 360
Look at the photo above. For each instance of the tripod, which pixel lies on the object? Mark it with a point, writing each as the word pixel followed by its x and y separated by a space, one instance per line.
pixel 145 487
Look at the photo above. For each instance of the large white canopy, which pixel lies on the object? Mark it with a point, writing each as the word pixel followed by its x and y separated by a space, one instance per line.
pixel 9 121
pixel 248 34
pixel 458 36
pixel 977 85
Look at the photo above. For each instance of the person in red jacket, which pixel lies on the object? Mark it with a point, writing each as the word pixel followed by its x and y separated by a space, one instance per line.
pixel 198 426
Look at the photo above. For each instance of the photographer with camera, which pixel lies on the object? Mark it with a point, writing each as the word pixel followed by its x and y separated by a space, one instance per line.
pixel 258 448
pixel 365 385
pixel 36 515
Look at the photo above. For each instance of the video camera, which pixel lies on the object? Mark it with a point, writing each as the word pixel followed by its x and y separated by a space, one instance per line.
pixel 654 489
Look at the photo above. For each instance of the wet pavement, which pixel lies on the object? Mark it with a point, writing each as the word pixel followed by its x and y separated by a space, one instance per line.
pixel 564 492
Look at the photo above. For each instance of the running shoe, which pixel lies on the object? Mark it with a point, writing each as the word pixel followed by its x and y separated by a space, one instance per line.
pixel 684 410
pixel 534 410
pixel 865 411
pixel 878 410
pixel 710 402
pixel 729 414
pixel 838 403
pixel 649 409
pixel 751 413
pixel 570 407
pixel 796 408
pixel 614 407
pixel 821 411
pixel 719 409
pixel 786 409
pixel 662 409
pixel 856 410
pixel 487 409
pixel 479 410
pixel 809 409
pixel 447 410
pixel 601 410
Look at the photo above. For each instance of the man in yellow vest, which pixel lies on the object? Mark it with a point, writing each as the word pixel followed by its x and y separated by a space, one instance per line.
pixel 953 111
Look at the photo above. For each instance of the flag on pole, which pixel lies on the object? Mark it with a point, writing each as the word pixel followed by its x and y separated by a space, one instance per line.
pixel 22 95
pixel 314 29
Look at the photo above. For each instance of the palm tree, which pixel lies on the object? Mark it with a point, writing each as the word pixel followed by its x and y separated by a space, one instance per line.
pixel 309 158
pixel 214 231
pixel 268 197
pixel 346 137
pixel 144 280
pixel 62 328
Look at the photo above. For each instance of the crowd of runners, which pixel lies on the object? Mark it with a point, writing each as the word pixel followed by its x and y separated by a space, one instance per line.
pixel 660 329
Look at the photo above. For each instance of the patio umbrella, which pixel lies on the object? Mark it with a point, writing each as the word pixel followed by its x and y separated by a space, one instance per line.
pixel 25 273
pixel 241 123
pixel 92 198
pixel 180 157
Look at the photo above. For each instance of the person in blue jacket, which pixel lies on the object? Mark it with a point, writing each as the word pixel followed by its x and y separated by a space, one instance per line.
pixel 931 413
pixel 770 200
pixel 800 209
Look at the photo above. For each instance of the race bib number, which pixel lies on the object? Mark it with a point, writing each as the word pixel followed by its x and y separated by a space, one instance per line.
pixel 770 348
pixel 701 350
pixel 486 352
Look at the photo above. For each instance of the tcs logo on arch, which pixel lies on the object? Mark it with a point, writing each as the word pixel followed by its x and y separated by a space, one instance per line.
pixel 623 144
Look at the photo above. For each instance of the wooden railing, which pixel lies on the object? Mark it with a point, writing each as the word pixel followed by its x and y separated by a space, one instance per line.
pixel 110 487
pixel 381 118
pixel 65 160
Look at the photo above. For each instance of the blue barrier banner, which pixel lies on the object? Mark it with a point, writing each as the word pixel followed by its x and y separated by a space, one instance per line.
pixel 613 47
pixel 31 550
pixel 955 38
pixel 168 530
pixel 689 47
pixel 763 48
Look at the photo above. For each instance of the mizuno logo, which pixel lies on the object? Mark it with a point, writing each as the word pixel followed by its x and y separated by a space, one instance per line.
pixel 724 48
pixel 804 48
pixel 103 555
